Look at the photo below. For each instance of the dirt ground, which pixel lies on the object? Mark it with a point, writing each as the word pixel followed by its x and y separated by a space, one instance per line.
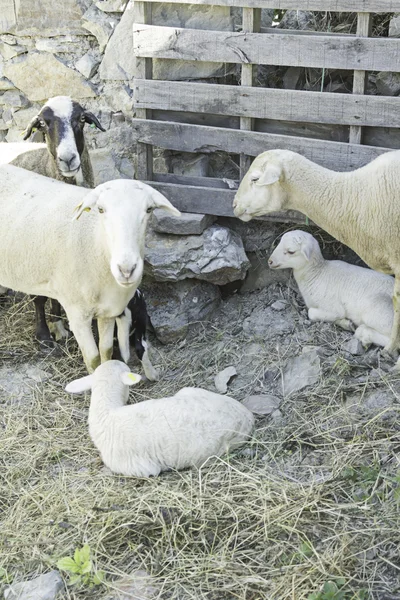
pixel 309 509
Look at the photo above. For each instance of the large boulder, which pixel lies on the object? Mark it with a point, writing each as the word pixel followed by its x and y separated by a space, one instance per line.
pixel 217 256
pixel 29 18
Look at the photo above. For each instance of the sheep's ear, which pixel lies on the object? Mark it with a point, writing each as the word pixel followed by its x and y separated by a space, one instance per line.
pixel 92 120
pixel 306 252
pixel 130 378
pixel 80 385
pixel 34 123
pixel 87 203
pixel 160 201
pixel 270 174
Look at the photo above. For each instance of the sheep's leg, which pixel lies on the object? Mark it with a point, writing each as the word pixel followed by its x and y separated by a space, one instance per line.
pixel 56 325
pixel 42 331
pixel 81 327
pixel 345 324
pixel 106 338
pixel 150 372
pixel 368 335
pixel 394 344
pixel 318 314
pixel 124 322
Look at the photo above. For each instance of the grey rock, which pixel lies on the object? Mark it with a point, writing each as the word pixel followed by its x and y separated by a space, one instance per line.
pixel 14 99
pixel 44 587
pixel 187 164
pixel 187 224
pixel 394 26
pixel 174 307
pixel 17 382
pixel 298 19
pixel 87 65
pixel 8 51
pixel 40 18
pixel 371 404
pixel 113 6
pixel 388 84
pixel 300 372
pixel 104 166
pixel 353 346
pixel 279 305
pixel 223 378
pixel 256 235
pixel 264 322
pixel 260 276
pixel 217 256
pixel 101 25
pixel 137 585
pixel 264 404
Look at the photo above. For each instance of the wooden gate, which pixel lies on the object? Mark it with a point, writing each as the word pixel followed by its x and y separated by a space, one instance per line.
pixel 359 53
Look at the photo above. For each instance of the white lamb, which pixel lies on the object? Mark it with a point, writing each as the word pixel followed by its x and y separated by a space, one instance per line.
pixel 360 208
pixel 92 266
pixel 336 291
pixel 146 438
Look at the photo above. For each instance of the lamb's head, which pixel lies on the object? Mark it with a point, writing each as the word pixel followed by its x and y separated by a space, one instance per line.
pixel 122 208
pixel 112 374
pixel 61 120
pixel 261 190
pixel 296 250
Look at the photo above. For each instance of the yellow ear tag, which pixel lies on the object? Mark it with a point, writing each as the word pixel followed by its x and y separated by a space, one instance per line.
pixel 134 377
pixel 77 207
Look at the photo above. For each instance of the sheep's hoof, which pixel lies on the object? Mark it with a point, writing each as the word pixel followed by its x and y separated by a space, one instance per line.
pixel 390 352
pixel 58 330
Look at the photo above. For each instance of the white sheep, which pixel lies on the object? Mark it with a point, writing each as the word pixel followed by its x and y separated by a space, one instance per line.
pixel 65 157
pixel 146 438
pixel 336 291
pixel 92 266
pixel 359 208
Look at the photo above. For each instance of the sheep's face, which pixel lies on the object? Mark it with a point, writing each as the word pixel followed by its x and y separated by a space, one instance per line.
pixel 261 191
pixel 123 208
pixel 61 120
pixel 112 373
pixel 294 251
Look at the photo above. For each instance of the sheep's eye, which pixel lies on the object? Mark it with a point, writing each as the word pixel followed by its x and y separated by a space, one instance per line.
pixel 42 124
pixel 101 210
pixel 254 178
pixel 82 119
pixel 150 209
pixel 290 251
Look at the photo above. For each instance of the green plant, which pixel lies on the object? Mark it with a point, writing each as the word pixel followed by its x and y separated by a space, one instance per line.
pixel 331 590
pixel 80 568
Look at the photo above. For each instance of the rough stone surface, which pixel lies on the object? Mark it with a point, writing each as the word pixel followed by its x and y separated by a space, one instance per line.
pixel 113 6
pixel 300 372
pixel 260 276
pixel 100 25
pixel 388 84
pixel 353 346
pixel 189 164
pixel 222 379
pixel 174 307
pixel 16 382
pixel 104 166
pixel 394 27
pixel 279 305
pixel 87 65
pixel 217 256
pixel 8 51
pixel 298 19
pixel 29 18
pixel 137 585
pixel 119 61
pixel 256 235
pixel 41 76
pixel 264 404
pixel 264 322
pixel 44 587
pixel 187 224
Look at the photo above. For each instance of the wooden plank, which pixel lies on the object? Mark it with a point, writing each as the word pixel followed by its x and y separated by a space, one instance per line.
pixel 144 68
pixel 322 5
pixel 197 138
pixel 251 22
pixel 368 54
pixel 212 182
pixel 268 103
pixel 213 202
pixel 278 31
pixel 360 80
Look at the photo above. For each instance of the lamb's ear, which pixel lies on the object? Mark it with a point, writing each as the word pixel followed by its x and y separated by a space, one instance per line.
pixel 160 201
pixel 130 378
pixel 34 123
pixel 92 120
pixel 306 252
pixel 87 203
pixel 270 174
pixel 80 385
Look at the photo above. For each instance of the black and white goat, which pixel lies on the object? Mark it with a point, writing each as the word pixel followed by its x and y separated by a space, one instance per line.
pixel 63 156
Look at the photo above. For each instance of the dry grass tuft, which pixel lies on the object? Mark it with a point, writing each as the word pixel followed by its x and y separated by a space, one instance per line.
pixel 314 498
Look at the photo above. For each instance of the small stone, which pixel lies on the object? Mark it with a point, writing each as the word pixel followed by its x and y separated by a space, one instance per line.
pixel 264 404
pixel 100 25
pixel 279 305
pixel 44 587
pixel 388 84
pixel 353 346
pixel 394 27
pixel 87 65
pixel 277 415
pixel 300 372
pixel 223 378
pixel 187 224
pixel 138 584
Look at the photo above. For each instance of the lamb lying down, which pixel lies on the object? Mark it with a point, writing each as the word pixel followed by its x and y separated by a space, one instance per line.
pixel 146 438
pixel 336 291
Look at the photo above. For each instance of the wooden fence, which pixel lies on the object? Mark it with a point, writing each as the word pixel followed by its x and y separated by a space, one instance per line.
pixel 359 53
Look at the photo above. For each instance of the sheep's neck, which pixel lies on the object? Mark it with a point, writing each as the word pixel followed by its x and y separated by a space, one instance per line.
pixel 311 271
pixel 107 397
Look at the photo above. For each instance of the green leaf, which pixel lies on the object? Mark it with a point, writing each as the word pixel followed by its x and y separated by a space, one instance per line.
pixel 306 549
pixel 340 581
pixel 77 557
pixel 98 578
pixel 314 596
pixel 85 553
pixel 74 579
pixel 86 567
pixel 68 564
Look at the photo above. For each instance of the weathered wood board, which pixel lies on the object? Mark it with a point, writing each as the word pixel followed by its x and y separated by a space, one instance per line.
pixel 268 103
pixel 197 138
pixel 331 5
pixel 367 54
